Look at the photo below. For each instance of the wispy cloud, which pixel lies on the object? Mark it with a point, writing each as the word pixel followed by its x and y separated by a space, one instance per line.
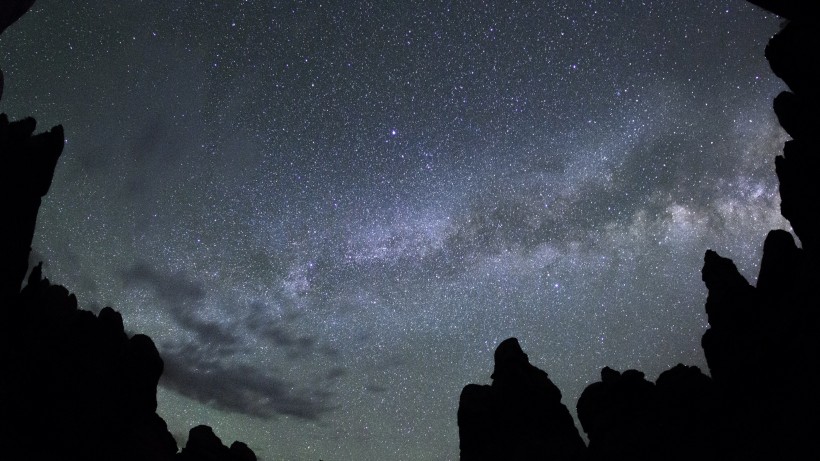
pixel 215 364
pixel 197 372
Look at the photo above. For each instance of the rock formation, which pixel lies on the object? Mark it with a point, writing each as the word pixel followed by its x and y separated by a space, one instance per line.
pixel 73 385
pixel 627 417
pixel 28 163
pixel 794 56
pixel 619 415
pixel 204 445
pixel 520 416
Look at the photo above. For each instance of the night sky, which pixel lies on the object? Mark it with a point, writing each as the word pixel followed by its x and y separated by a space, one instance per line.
pixel 328 214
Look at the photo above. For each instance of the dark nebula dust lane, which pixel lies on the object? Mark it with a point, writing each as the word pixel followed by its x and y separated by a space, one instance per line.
pixel 327 216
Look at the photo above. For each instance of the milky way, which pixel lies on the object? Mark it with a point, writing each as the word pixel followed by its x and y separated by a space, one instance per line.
pixel 327 215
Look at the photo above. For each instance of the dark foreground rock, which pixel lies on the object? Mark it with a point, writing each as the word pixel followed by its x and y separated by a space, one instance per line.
pixel 626 416
pixel 74 385
pixel 204 445
pixel 520 416
pixel 27 163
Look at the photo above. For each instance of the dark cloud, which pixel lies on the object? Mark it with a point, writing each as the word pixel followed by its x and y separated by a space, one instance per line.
pixel 376 389
pixel 329 351
pixel 283 338
pixel 277 333
pixel 196 372
pixel 336 372
pixel 173 288
pixel 180 297
pixel 211 368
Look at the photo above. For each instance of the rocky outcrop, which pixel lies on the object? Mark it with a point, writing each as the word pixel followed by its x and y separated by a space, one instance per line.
pixel 687 415
pixel 760 348
pixel 74 385
pixel 794 56
pixel 10 11
pixel 204 445
pixel 790 9
pixel 626 416
pixel 520 416
pixel 619 415
pixel 27 168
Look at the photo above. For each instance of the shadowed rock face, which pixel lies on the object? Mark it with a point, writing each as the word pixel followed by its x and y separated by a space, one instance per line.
pixel 627 417
pixel 790 9
pixel 762 352
pixel 760 348
pixel 619 415
pixel 75 386
pixel 27 163
pixel 204 445
pixel 10 11
pixel 794 56
pixel 520 416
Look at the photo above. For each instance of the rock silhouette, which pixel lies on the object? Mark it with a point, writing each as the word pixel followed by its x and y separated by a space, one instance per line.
pixel 77 387
pixel 789 9
pixel 626 416
pixel 74 384
pixel 619 415
pixel 28 163
pixel 204 445
pixel 794 56
pixel 520 416
pixel 759 348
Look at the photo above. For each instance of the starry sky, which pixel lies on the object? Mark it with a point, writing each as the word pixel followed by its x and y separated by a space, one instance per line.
pixel 327 214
